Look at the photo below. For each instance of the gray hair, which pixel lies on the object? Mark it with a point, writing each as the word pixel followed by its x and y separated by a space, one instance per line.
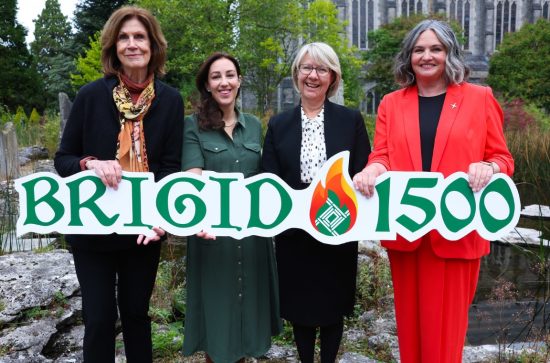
pixel 321 53
pixel 456 70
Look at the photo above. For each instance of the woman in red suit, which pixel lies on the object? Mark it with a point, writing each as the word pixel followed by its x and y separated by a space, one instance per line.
pixel 436 122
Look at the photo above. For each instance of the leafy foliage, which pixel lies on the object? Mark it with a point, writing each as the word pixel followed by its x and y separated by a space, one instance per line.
pixel 88 66
pixel 53 58
pixel 322 24
pixel 89 18
pixel 520 67
pixel 263 35
pixel 21 84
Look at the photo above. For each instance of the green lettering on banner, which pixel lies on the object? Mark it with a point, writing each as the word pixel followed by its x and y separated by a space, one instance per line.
pixel 286 204
pixel 424 204
pixel 224 203
pixel 383 190
pixel 489 222
pixel 90 204
pixel 162 202
pixel 48 198
pixel 408 204
pixel 136 202
pixel 453 223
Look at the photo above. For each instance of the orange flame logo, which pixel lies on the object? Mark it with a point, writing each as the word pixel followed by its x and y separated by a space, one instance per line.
pixel 333 208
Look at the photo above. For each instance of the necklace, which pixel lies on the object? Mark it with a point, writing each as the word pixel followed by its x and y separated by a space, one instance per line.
pixel 231 124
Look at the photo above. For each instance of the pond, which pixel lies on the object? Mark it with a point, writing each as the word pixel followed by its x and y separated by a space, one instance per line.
pixel 512 302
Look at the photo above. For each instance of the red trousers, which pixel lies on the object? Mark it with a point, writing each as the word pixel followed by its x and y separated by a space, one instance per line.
pixel 432 297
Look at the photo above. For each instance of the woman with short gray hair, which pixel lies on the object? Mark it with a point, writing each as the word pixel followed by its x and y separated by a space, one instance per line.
pixel 316 280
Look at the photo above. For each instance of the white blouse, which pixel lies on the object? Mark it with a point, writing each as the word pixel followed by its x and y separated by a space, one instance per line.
pixel 313 152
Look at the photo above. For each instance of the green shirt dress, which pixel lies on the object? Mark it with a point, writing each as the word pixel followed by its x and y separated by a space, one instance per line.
pixel 232 290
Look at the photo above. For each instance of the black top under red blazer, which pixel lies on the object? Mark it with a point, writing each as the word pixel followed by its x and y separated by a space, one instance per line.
pixel 92 130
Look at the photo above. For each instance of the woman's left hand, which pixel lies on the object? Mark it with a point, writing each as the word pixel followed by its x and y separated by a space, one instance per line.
pixel 159 232
pixel 479 175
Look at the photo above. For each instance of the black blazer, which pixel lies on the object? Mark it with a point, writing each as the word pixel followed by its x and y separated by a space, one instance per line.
pixel 344 130
pixel 316 280
pixel 92 130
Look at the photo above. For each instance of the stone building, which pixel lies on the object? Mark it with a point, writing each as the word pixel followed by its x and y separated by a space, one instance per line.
pixel 485 22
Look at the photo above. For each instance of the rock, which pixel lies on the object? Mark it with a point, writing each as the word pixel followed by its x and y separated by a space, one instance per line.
pixel 524 236
pixel 31 279
pixel 355 335
pixel 536 211
pixel 279 352
pixel 356 358
pixel 33 153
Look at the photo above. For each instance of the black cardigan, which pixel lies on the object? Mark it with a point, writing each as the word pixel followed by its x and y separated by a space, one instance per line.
pixel 92 130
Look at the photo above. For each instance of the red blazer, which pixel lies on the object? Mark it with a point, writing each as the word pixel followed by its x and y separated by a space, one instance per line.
pixel 469 130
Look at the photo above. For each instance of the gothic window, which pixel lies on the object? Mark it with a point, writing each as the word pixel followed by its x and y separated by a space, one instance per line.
pixel 498 29
pixel 363 24
pixel 371 15
pixel 466 25
pixel 411 7
pixel 453 10
pixel 404 8
pixel 506 17
pixel 459 13
pixel 419 7
pixel 355 23
pixel 513 17
pixel 362 21
pixel 545 10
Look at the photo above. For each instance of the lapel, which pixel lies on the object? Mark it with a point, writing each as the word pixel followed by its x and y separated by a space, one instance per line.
pixel 451 107
pixel 411 125
pixel 294 133
pixel 330 128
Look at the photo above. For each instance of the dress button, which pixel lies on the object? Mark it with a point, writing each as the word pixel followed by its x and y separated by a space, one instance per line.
pixel 240 295
pixel 237 161
pixel 239 262
pixel 216 148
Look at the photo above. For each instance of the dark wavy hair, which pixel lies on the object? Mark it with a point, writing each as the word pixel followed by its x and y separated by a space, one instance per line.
pixel 209 113
pixel 109 36
pixel 456 70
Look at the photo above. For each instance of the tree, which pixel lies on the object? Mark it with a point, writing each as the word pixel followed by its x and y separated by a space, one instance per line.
pixel 19 79
pixel 268 40
pixel 54 61
pixel 322 24
pixel 193 29
pixel 271 32
pixel 88 66
pixel 89 18
pixel 520 67
pixel 385 43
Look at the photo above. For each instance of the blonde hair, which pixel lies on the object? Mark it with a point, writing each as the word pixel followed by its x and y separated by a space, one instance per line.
pixel 321 53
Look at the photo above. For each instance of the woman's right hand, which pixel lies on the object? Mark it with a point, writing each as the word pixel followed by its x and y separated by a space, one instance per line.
pixel 205 235
pixel 109 171
pixel 364 180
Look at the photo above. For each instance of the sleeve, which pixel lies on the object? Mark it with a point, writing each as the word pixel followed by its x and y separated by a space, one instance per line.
pixel 191 155
pixel 170 159
pixel 361 147
pixel 379 152
pixel 495 143
pixel 68 156
pixel 270 163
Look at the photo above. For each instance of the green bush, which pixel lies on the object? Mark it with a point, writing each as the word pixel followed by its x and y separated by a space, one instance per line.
pixel 50 132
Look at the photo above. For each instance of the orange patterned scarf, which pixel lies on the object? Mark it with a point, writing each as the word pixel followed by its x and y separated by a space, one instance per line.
pixel 131 152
